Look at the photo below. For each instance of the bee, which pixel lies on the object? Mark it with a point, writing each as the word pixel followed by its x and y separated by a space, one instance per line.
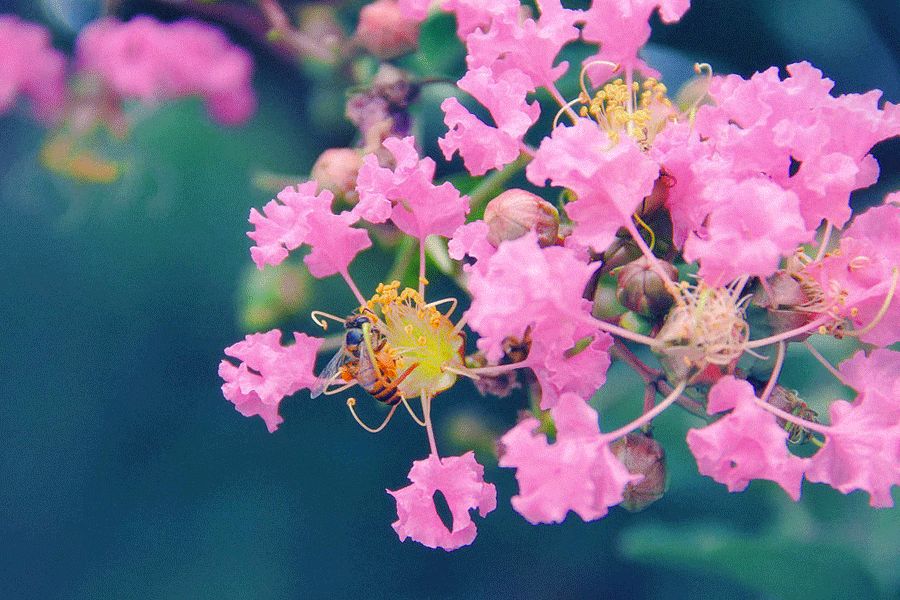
pixel 364 359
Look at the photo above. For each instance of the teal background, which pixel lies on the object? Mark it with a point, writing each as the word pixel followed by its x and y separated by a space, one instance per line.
pixel 125 474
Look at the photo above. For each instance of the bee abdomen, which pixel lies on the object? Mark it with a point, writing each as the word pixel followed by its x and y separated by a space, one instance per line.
pixel 386 394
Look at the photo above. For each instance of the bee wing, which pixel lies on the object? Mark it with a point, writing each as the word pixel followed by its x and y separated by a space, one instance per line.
pixel 329 374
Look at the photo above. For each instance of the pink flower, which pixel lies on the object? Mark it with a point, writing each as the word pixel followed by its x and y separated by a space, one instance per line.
pixel 862 447
pixel 152 61
pixel 484 147
pixel 610 179
pixel 30 65
pixel 745 444
pixel 267 373
pixel 406 194
pixel 461 481
pixel 471 240
pixel 621 28
pixel 880 371
pixel 481 146
pixel 306 218
pixel 754 223
pixel 855 281
pixel 522 286
pixel 577 472
pixel 778 121
pixel 470 14
pixel 529 47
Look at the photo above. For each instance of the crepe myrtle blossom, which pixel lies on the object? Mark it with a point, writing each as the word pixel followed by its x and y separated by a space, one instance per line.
pixel 861 446
pixel 413 349
pixel 727 188
pixel 408 348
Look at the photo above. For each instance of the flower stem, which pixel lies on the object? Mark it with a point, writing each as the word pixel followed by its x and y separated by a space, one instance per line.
pixel 359 297
pixel 426 411
pixel 818 356
pixel 776 371
pixel 628 335
pixel 647 416
pixel 812 325
pixel 817 427
pixel 624 353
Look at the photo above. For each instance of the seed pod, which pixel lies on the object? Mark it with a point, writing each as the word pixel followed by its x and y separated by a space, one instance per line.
pixel 642 290
pixel 385 31
pixel 515 212
pixel 642 455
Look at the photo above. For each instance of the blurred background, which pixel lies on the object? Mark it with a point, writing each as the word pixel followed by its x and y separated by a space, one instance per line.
pixel 125 474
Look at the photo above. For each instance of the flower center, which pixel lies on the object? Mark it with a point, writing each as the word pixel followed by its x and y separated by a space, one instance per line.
pixel 640 112
pixel 418 333
pixel 706 326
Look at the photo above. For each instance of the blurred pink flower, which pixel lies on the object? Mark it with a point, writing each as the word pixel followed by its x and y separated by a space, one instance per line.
pixel 577 472
pixel 29 65
pixel 461 481
pixel 267 373
pixel 745 444
pixel 151 61
pixel 303 217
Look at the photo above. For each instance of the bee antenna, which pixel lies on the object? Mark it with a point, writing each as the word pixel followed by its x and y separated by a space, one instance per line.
pixel 351 404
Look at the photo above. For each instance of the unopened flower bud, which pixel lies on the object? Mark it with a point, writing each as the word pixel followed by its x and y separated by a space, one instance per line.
pixel 641 455
pixel 642 290
pixel 515 212
pixel 621 252
pixel 385 31
pixel 336 170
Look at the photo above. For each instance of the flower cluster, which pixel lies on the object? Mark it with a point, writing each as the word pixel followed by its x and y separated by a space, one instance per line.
pixel 728 188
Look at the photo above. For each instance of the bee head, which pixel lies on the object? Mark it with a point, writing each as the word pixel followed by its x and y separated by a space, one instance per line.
pixel 353 339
